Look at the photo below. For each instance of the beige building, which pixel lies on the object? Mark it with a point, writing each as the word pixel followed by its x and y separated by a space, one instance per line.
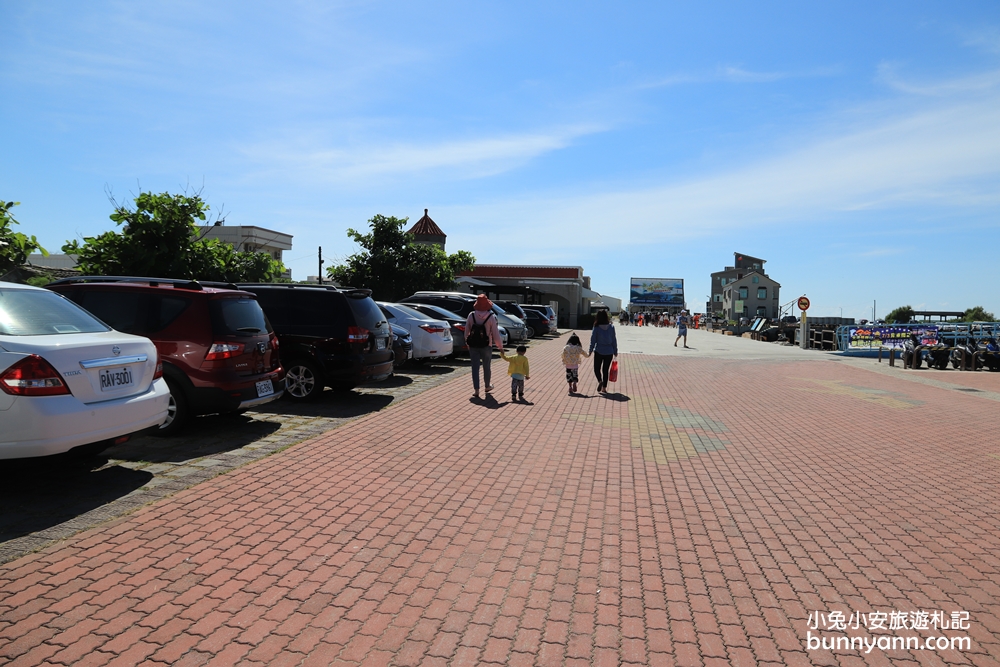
pixel 744 290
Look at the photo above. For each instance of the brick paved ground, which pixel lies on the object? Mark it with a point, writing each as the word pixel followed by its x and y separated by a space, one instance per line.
pixel 694 518
pixel 44 501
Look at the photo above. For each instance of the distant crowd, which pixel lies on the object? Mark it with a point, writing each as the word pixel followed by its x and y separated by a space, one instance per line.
pixel 658 319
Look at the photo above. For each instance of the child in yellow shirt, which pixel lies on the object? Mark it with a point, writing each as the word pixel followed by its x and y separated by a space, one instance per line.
pixel 517 369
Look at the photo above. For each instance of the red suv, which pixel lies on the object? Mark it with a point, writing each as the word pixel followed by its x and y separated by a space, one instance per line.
pixel 218 350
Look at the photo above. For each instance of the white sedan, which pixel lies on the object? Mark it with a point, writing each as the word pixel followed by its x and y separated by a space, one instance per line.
pixel 431 338
pixel 68 381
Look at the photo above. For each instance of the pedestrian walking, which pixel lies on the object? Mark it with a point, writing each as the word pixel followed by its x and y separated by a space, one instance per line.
pixel 481 334
pixel 571 360
pixel 517 369
pixel 604 347
pixel 682 328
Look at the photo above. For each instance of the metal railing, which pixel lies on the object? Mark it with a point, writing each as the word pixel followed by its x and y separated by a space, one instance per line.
pixel 951 335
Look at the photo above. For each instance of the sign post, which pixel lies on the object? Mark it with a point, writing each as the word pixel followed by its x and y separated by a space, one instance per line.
pixel 803 327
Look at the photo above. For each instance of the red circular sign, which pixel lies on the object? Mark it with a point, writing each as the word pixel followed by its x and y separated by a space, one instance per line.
pixel 803 303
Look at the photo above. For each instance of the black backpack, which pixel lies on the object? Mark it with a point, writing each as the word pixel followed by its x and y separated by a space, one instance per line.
pixel 477 336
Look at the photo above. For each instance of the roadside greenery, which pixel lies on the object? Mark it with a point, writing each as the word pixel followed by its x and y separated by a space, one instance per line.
pixel 904 314
pixel 159 239
pixel 901 315
pixel 14 246
pixel 393 266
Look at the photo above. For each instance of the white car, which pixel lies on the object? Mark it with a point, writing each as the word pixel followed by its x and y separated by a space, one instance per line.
pixel 431 338
pixel 67 380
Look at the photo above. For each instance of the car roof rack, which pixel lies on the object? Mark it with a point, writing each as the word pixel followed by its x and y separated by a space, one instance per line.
pixel 152 282
pixel 350 291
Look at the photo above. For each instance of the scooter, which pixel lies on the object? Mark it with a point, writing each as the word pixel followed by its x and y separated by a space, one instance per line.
pixel 970 347
pixel 936 354
pixel 991 355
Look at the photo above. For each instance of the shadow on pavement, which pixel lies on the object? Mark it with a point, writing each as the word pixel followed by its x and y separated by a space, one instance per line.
pixel 204 436
pixel 621 398
pixel 331 404
pixel 489 402
pixel 39 494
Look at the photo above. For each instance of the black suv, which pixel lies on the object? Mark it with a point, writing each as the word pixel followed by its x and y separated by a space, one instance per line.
pixel 328 337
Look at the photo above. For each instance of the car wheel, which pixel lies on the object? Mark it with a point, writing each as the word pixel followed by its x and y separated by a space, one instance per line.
pixel 178 412
pixel 529 332
pixel 303 381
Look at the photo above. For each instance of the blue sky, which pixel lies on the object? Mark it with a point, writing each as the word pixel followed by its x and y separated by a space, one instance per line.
pixel 855 147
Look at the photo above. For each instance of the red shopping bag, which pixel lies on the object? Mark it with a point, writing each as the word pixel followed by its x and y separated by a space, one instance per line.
pixel 613 373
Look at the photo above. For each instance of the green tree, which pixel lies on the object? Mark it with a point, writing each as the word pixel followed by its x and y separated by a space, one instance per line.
pixel 159 239
pixel 901 315
pixel 393 266
pixel 978 314
pixel 14 246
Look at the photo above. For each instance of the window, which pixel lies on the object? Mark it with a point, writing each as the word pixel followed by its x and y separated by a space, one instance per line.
pixel 724 281
pixel 761 292
pixel 761 311
pixel 124 311
pixel 743 292
pixel 756 279
pixel 166 309
pixel 718 298
pixel 40 313
pixel 756 265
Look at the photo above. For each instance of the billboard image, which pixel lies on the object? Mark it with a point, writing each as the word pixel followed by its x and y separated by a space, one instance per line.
pixel 660 292
pixel 896 337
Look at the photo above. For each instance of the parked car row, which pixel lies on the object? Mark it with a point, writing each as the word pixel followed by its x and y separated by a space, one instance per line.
pixel 109 357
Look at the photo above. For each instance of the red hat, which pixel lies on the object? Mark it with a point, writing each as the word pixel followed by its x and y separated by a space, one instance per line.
pixel 483 303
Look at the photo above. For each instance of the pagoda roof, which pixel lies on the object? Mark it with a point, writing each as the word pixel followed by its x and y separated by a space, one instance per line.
pixel 425 227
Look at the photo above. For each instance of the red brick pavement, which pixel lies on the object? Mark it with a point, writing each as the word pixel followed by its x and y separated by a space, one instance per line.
pixel 698 523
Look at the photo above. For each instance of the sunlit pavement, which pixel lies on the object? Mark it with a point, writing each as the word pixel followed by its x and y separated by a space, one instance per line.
pixel 703 513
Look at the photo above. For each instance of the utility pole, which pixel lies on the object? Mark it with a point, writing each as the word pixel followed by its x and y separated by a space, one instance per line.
pixel 320 276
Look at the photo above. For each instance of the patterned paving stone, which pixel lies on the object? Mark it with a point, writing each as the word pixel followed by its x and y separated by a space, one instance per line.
pixel 447 530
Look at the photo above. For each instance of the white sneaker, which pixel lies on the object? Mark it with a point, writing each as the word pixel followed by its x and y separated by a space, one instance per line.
pixel 489 388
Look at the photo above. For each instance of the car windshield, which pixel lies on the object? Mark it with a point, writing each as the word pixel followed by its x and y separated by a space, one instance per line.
pixel 409 312
pixel 26 312
pixel 440 312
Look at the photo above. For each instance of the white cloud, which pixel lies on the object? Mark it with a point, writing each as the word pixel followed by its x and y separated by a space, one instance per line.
pixel 467 158
pixel 741 75
pixel 937 156
pixel 981 82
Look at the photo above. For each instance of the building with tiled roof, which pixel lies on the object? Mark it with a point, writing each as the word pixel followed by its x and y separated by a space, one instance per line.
pixel 427 231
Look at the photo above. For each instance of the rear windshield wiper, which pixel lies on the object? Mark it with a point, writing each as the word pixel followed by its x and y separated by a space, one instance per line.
pixel 249 329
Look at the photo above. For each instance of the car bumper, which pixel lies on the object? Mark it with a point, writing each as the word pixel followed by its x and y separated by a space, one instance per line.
pixel 342 370
pixel 210 400
pixel 48 425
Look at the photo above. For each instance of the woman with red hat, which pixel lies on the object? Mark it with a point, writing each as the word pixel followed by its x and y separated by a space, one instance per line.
pixel 481 334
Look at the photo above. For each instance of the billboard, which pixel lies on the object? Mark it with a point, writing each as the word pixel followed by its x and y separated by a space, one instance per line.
pixel 876 337
pixel 660 292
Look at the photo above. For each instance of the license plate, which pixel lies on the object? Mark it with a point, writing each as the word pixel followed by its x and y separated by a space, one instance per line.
pixel 265 388
pixel 380 343
pixel 112 379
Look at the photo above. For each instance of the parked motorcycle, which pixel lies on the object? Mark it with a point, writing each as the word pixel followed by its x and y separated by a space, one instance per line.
pixel 991 355
pixel 970 347
pixel 936 355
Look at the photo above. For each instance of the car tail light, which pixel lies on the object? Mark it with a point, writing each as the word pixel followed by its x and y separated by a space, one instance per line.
pixel 158 373
pixel 357 334
pixel 224 351
pixel 460 327
pixel 433 328
pixel 274 342
pixel 33 376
